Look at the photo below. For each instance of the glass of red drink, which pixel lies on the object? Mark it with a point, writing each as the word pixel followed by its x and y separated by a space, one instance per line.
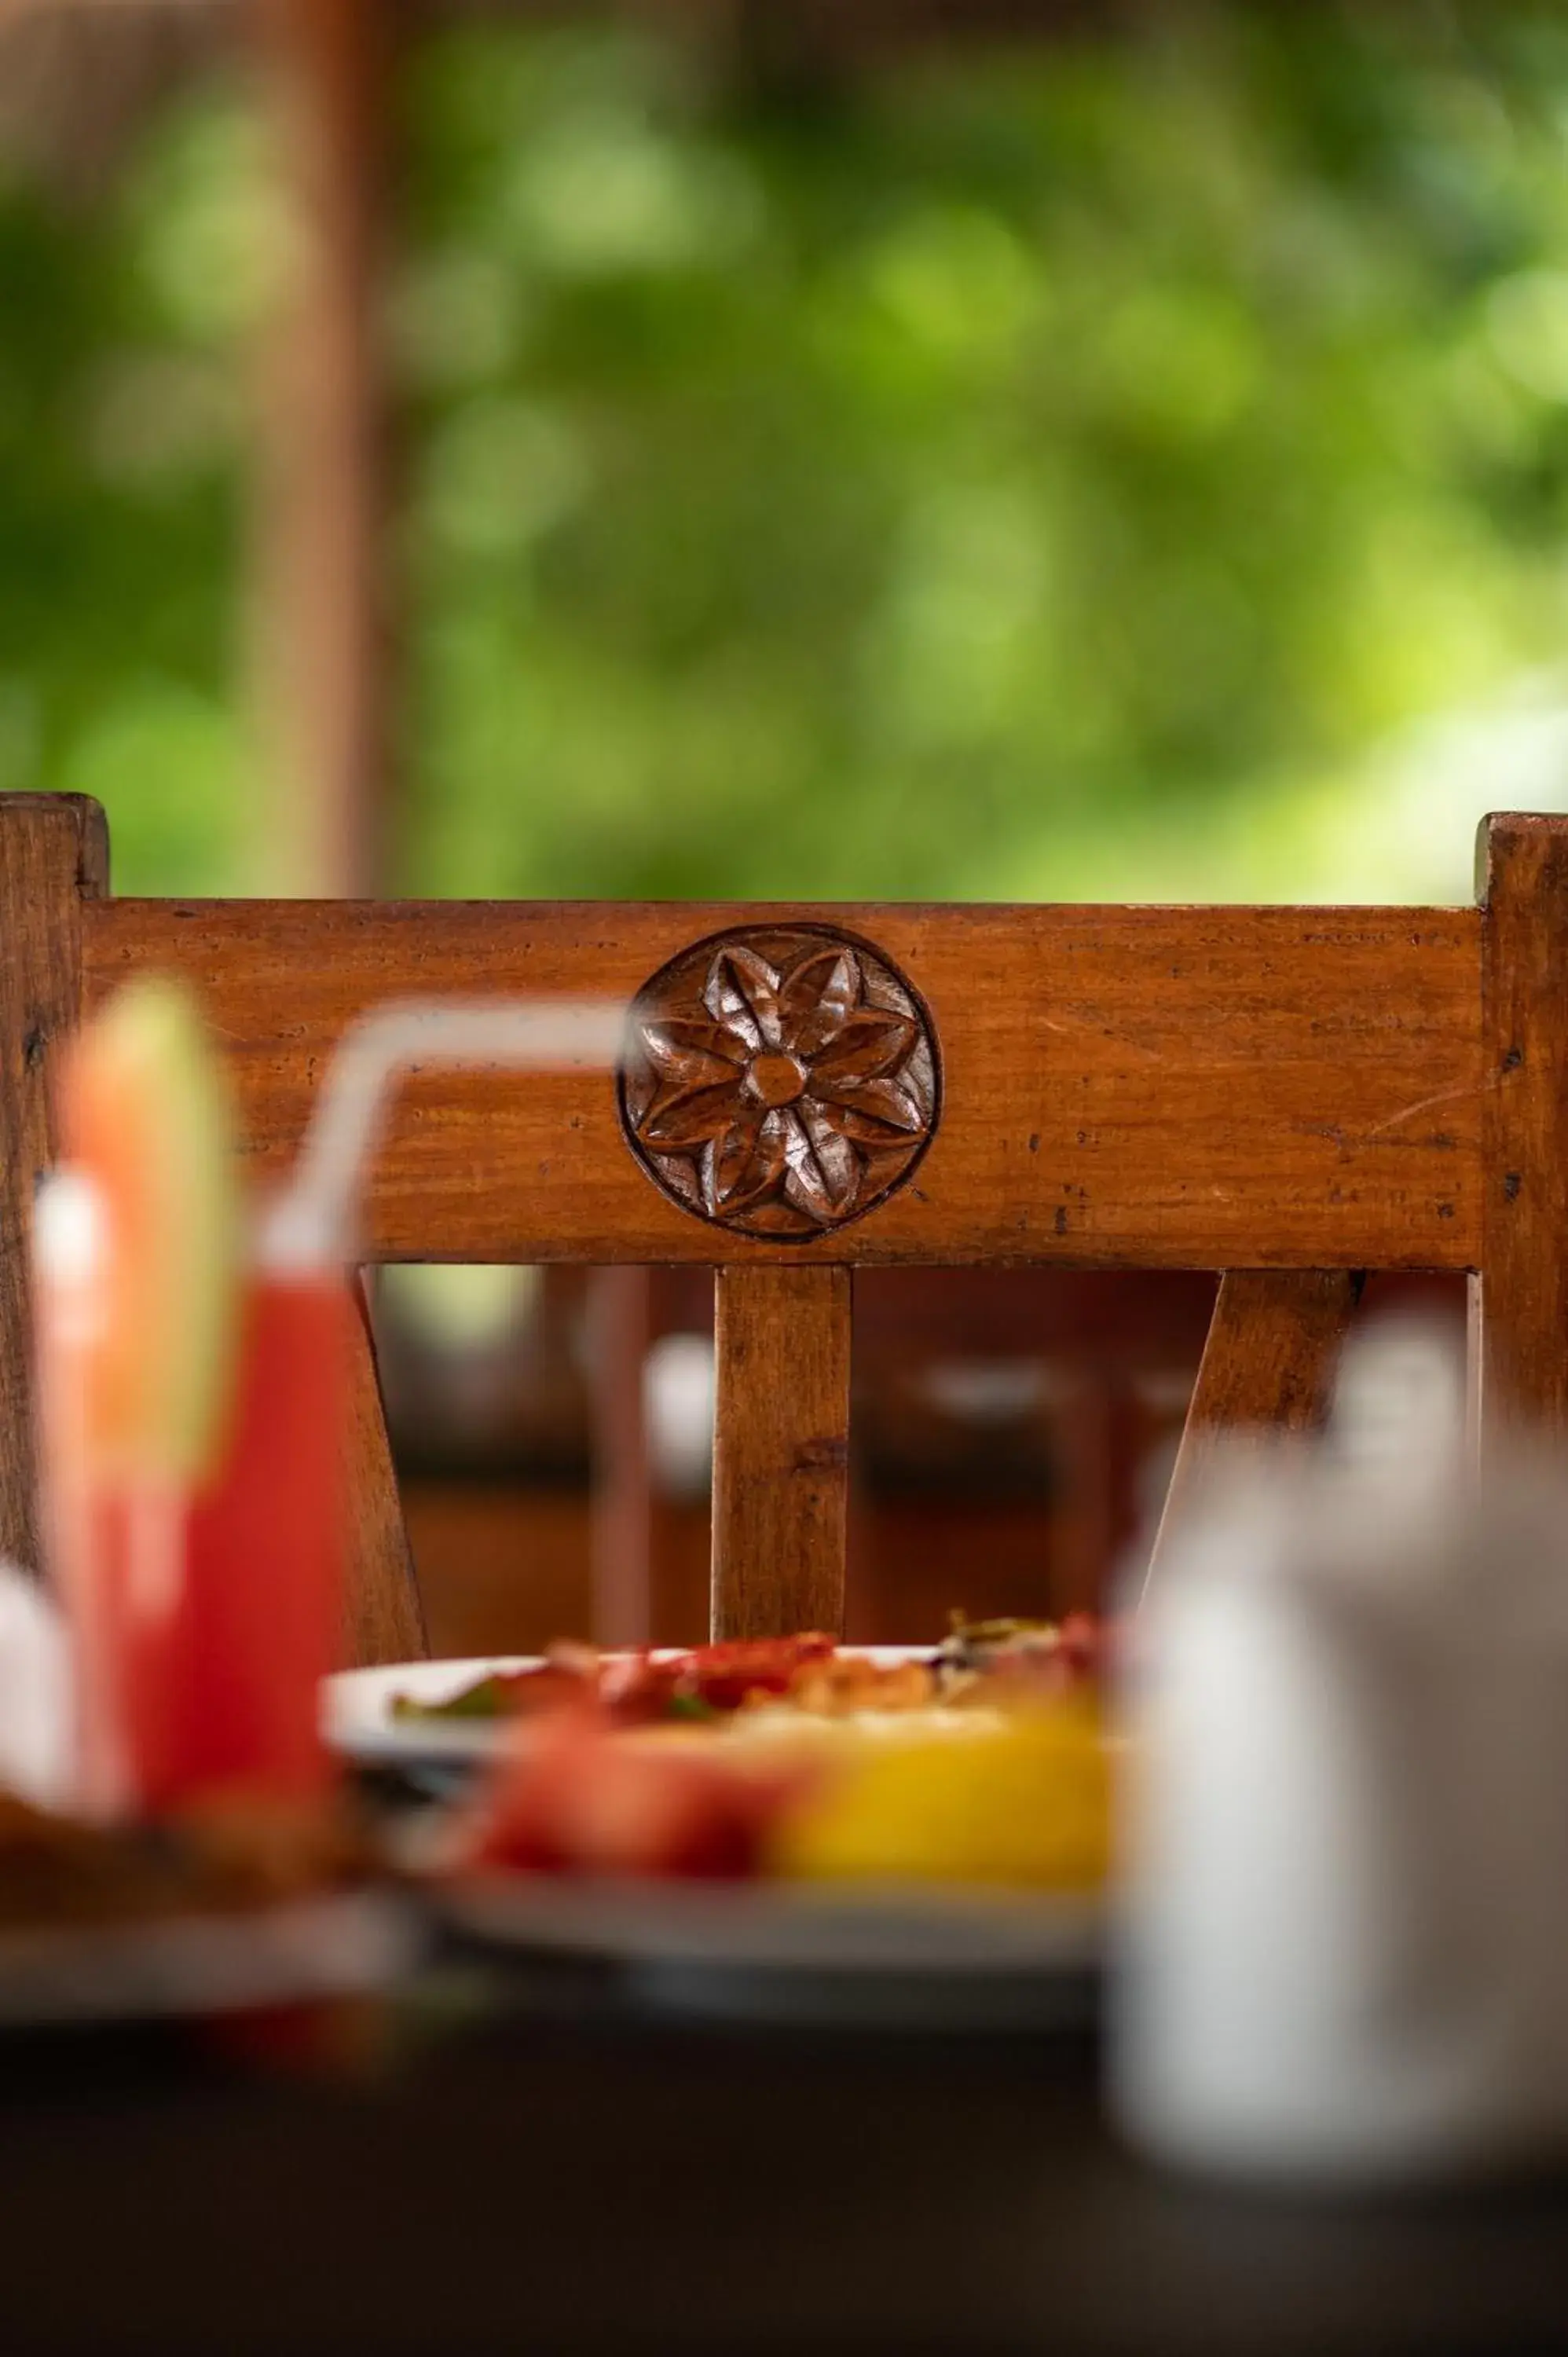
pixel 205 1586
pixel 205 1611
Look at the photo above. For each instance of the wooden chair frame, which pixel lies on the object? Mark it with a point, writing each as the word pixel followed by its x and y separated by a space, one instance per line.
pixel 1288 1095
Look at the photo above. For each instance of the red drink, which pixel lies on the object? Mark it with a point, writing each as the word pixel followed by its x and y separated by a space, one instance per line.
pixel 205 1619
pixel 259 1618
pixel 196 1525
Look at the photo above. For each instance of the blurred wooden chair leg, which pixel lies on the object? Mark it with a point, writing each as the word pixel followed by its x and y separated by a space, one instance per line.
pixel 385 1615
pixel 1268 1365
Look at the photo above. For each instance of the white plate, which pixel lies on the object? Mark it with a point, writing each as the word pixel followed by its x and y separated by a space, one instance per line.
pixel 901 1956
pixel 357 1708
pixel 341 1945
pixel 356 1711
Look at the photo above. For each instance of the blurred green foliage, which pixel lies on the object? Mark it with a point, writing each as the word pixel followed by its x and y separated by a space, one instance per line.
pixel 120 432
pixel 1105 469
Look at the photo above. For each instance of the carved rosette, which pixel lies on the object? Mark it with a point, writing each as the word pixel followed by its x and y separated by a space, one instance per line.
pixel 779 1081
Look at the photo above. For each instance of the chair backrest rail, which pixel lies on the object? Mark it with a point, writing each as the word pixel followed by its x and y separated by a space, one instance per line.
pixel 1156 1088
pixel 1288 1095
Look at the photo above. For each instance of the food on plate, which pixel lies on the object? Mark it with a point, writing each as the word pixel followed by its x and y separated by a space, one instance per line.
pixel 1027 1802
pixel 985 1762
pixel 578 1801
pixel 636 1689
pixel 504 1695
pixel 1048 1657
pixel 978 1665
pixel 841 1684
pixel 971 1644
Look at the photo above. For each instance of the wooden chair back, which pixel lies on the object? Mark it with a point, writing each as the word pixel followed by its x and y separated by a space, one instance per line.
pixel 1288 1095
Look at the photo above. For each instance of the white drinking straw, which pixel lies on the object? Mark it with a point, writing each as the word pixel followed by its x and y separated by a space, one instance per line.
pixel 313 1223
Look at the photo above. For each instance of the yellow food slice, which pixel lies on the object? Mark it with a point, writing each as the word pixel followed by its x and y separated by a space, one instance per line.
pixel 1026 1803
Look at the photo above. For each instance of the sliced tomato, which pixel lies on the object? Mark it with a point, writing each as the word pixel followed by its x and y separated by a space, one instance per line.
pixel 578 1799
pixel 722 1676
pixel 637 1691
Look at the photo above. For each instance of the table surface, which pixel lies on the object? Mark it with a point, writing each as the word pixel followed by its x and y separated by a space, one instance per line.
pixel 509 2178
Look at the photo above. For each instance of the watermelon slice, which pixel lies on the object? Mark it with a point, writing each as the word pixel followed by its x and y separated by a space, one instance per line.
pixel 144 1120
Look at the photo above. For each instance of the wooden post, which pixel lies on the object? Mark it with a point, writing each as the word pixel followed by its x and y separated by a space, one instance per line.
pixel 1522 1288
pixel 321 518
pixel 780 1449
pixel 1269 1362
pixel 54 852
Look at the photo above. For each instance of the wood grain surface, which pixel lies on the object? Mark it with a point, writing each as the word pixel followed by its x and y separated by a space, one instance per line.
pixel 1269 1362
pixel 1523 1288
pixel 1145 1087
pixel 780 1451
pixel 54 855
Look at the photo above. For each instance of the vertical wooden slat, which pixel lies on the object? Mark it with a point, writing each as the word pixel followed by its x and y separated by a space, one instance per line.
pixel 780 1451
pixel 54 852
pixel 1523 1286
pixel 620 1330
pixel 1273 1346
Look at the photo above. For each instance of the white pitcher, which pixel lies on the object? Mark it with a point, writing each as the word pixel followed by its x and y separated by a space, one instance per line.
pixel 1343 1949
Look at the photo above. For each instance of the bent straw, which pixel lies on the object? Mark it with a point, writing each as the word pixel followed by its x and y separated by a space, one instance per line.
pixel 311 1224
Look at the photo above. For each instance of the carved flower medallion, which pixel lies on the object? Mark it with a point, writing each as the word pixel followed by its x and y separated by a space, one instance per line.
pixel 779 1081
